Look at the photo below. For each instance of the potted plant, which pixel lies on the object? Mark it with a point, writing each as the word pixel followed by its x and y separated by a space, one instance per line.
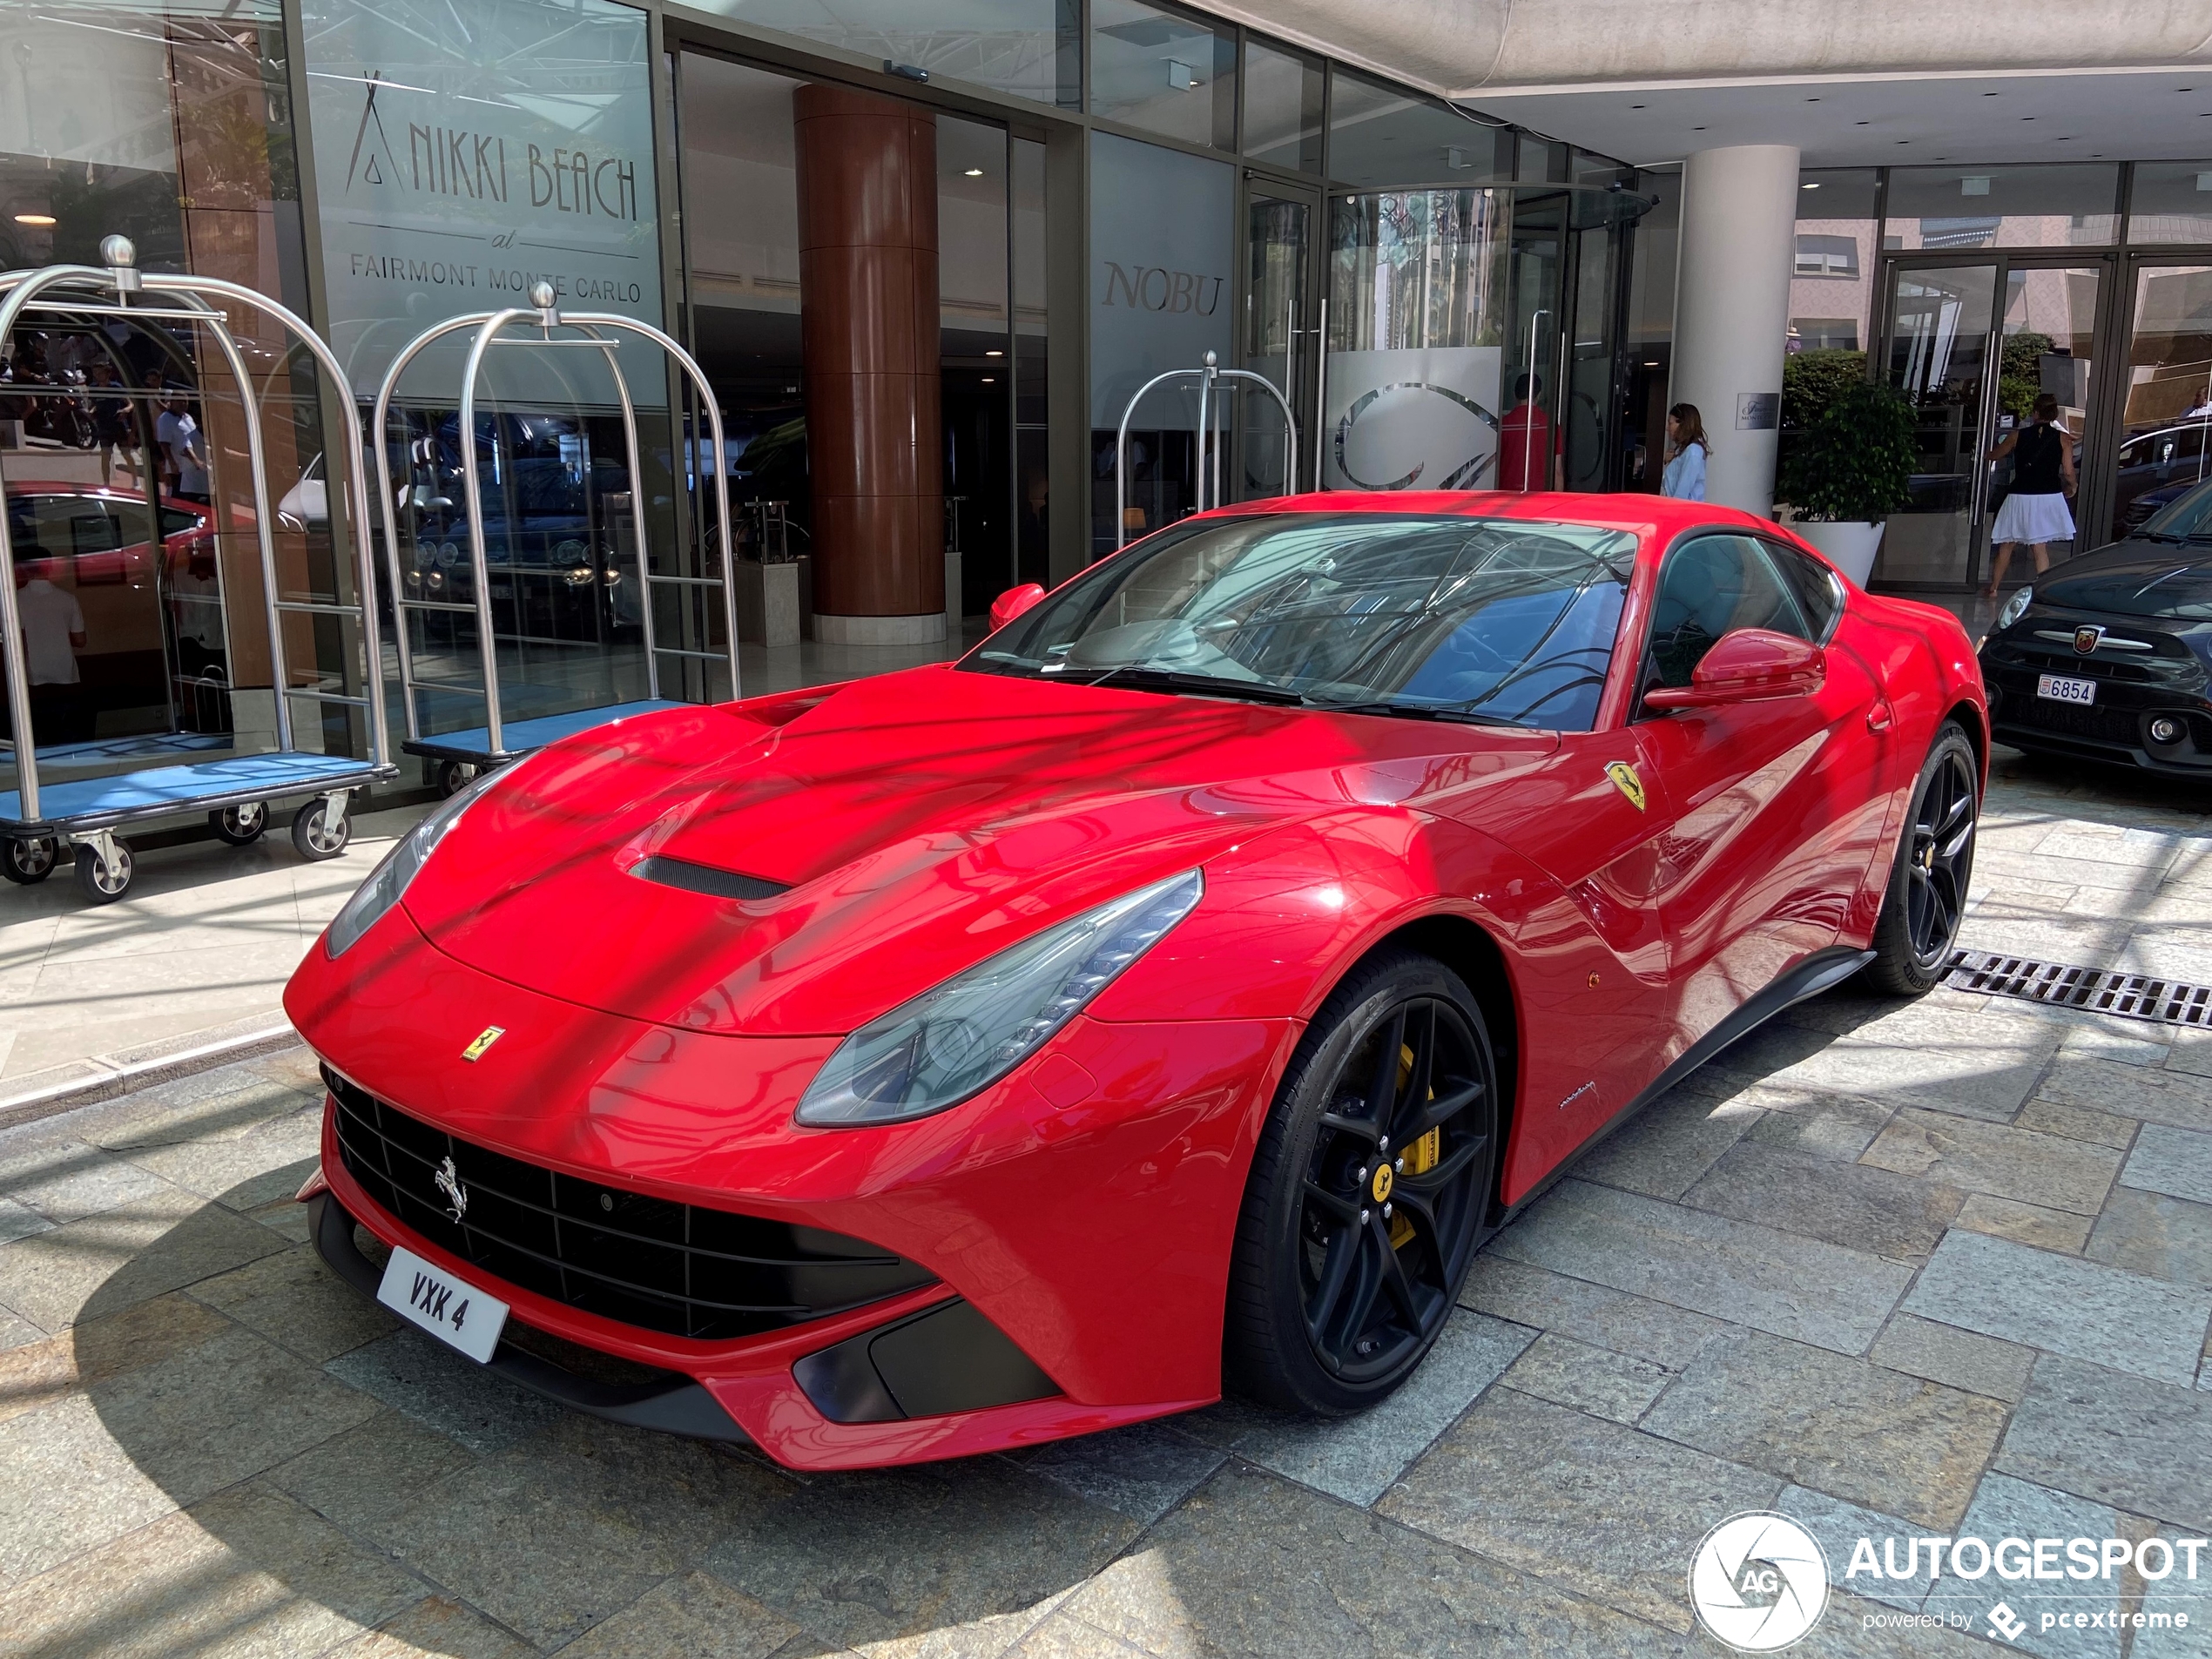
pixel 1853 468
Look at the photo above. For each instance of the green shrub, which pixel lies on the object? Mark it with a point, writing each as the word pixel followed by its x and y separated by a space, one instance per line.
pixel 1854 462
pixel 1811 380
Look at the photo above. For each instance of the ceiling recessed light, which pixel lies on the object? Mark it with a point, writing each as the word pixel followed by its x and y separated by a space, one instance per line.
pixel 1652 362
pixel 1862 124
pixel 974 172
pixel 1812 100
pixel 990 380
pixel 1813 186
pixel 1635 106
pixel 1989 94
pixel 1904 140
pixel 994 351
pixel 1697 129
pixel 39 219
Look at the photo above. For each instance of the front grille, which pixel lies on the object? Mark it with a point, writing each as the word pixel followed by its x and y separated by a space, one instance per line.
pixel 2099 990
pixel 2118 726
pixel 682 1269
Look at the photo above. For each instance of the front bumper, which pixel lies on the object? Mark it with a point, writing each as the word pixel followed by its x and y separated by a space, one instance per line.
pixel 2116 728
pixel 1085 1206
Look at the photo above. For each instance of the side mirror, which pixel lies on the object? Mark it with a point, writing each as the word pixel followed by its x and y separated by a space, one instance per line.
pixel 1013 603
pixel 1747 665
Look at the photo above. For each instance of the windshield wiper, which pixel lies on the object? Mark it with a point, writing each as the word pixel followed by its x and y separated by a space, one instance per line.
pixel 1165 680
pixel 1412 712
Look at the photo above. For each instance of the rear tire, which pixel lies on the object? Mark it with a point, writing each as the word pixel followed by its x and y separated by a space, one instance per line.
pixel 1926 899
pixel 99 880
pixel 1369 1192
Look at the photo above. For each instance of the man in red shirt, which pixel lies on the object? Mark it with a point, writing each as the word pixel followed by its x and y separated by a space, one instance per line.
pixel 1528 448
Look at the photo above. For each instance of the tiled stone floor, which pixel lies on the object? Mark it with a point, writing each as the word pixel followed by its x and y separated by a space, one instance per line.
pixel 1938 1268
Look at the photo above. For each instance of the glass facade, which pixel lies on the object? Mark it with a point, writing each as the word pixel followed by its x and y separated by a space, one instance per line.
pixel 1951 209
pixel 1026 49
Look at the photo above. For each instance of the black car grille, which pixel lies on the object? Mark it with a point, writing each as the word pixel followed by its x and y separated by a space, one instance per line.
pixel 682 1269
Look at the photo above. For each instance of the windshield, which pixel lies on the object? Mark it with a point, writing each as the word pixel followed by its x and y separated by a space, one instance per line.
pixel 1488 620
pixel 2189 517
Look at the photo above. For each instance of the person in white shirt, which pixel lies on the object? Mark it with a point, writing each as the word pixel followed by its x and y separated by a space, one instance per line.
pixel 53 632
pixel 178 435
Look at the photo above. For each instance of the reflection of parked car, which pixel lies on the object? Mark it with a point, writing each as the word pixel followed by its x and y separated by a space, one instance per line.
pixel 2152 464
pixel 1173 994
pixel 2111 656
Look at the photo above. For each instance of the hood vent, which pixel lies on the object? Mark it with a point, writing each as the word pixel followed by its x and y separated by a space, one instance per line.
pixel 705 878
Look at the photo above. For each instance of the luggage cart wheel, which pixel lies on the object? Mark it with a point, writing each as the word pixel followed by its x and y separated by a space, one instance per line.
pixel 104 867
pixel 453 776
pixel 27 859
pixel 240 825
pixel 322 827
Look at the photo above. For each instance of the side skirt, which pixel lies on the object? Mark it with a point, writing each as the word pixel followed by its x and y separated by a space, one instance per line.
pixel 1822 971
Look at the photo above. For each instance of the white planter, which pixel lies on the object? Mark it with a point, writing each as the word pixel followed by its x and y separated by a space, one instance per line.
pixel 1850 548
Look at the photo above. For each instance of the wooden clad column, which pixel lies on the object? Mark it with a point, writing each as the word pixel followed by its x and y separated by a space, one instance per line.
pixel 868 282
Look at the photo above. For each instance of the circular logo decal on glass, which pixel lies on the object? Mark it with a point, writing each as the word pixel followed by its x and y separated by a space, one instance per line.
pixel 1759 1582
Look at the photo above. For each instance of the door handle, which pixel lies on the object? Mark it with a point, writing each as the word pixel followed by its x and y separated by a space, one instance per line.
pixel 1879 716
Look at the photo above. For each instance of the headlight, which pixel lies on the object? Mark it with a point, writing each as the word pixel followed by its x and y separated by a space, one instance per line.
pixel 2015 608
pixel 390 878
pixel 964 1036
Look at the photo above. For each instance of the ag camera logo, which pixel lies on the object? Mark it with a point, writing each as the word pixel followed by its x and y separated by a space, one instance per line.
pixel 1759 1582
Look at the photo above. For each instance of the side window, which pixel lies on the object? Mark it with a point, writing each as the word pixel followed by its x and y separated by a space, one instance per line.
pixel 1817 589
pixel 1709 587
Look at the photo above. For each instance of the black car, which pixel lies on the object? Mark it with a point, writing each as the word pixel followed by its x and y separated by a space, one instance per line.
pixel 2110 656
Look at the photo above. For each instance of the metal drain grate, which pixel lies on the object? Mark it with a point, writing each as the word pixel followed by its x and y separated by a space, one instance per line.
pixel 2132 996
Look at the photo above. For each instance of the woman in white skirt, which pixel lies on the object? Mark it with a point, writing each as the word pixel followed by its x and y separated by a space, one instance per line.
pixel 2035 511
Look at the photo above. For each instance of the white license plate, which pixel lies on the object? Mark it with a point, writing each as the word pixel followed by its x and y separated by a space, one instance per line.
pixel 452 1309
pixel 2061 689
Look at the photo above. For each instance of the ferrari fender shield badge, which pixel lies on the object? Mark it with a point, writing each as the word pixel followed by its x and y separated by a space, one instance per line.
pixel 1624 780
pixel 485 1038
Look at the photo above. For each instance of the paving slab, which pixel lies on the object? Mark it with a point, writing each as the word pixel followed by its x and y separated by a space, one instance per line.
pixel 1857 1431
pixel 1995 1158
pixel 953 1560
pixel 437 1626
pixel 1946 1354
pixel 1253 1565
pixel 1827 1126
pixel 1357 1458
pixel 1542 1300
pixel 293 1299
pixel 1140 1472
pixel 248 1572
pixel 2060 1305
pixel 380 1464
pixel 84 1269
pixel 2161 1095
pixel 2152 1234
pixel 2176 1162
pixel 2115 1438
pixel 1977 1077
pixel 1595 1380
pixel 2005 1506
pixel 419 1376
pixel 1754 1275
pixel 1901 1216
pixel 691 1615
pixel 37 1373
pixel 1838 1527
pixel 2078 1124
pixel 1605 1511
pixel 2026 1224
pixel 1668 1145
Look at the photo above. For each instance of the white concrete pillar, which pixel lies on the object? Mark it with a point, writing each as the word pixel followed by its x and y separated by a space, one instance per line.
pixel 1739 218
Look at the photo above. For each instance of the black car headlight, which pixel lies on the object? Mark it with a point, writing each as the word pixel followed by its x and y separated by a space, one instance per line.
pixel 401 865
pixel 2015 608
pixel 943 1046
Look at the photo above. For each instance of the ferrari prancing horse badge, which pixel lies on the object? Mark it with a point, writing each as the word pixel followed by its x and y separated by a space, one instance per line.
pixel 1625 779
pixel 485 1038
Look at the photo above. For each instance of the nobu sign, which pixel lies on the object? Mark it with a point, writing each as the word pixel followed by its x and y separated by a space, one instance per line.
pixel 1154 288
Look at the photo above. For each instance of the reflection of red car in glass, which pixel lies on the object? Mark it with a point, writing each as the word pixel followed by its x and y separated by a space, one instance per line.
pixel 95 536
pixel 1172 993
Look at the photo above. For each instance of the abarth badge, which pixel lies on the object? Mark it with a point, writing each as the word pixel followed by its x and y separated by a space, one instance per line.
pixel 1625 779
pixel 448 1181
pixel 2087 637
pixel 485 1038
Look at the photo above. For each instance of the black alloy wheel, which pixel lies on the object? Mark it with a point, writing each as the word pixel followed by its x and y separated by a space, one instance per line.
pixel 1369 1192
pixel 1935 860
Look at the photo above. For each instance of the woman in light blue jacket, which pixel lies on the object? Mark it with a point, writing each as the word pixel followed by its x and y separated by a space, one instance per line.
pixel 1684 478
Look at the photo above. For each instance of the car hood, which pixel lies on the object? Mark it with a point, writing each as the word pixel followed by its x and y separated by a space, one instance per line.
pixel 2135 578
pixel 911 824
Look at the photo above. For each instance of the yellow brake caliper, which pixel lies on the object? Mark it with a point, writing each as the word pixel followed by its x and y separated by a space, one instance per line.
pixel 1421 1158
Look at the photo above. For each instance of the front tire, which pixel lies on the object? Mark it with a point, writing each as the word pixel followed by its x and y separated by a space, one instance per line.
pixel 105 880
pixel 1369 1192
pixel 320 831
pixel 1926 899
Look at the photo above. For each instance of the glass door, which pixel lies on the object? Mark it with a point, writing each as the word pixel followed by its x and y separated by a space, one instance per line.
pixel 1281 335
pixel 2166 420
pixel 1531 441
pixel 2048 344
pixel 1939 324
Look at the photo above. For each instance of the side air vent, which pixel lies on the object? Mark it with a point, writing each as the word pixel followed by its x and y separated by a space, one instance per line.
pixel 705 878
